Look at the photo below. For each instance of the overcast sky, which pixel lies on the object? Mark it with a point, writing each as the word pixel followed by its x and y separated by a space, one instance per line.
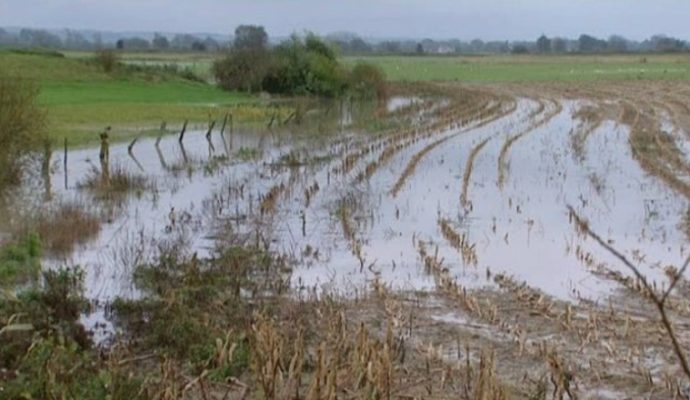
pixel 463 19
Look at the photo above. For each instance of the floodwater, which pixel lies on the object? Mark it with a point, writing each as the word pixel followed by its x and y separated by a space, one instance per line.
pixel 521 228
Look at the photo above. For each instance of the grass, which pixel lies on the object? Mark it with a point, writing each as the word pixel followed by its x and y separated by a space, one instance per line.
pixel 531 68
pixel 81 99
pixel 66 227
pixel 120 182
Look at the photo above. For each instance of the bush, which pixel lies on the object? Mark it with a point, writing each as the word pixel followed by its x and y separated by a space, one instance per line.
pixel 299 66
pixel 107 59
pixel 368 81
pixel 21 127
pixel 243 70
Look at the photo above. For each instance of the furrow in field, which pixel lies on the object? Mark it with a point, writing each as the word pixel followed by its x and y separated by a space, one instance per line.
pixel 464 196
pixel 503 156
pixel 406 139
pixel 412 165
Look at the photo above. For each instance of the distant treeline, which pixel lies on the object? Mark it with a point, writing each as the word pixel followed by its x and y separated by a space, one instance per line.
pixel 75 40
pixel 346 43
pixel 349 44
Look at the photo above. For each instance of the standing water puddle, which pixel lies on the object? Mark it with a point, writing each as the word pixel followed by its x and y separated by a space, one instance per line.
pixel 521 228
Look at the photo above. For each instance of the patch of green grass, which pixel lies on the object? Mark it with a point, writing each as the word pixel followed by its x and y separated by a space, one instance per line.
pixel 81 99
pixel 491 69
pixel 20 263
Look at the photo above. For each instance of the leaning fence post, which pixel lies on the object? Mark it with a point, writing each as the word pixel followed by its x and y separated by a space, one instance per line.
pixel 65 163
pixel 210 129
pixel 225 122
pixel 184 129
pixel 131 145
pixel 160 134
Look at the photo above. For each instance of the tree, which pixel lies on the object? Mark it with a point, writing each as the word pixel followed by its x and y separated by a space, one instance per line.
pixel 315 45
pixel 198 46
pixel 357 45
pixel 368 81
pixel 420 49
pixel 184 41
pixel 617 44
pixel 665 44
pixel 160 42
pixel 135 43
pixel 590 44
pixel 390 47
pixel 250 37
pixel 107 59
pixel 6 38
pixel 520 49
pixel 543 45
pixel 39 38
pixel 559 45
pixel 75 40
pixel 211 44
pixel 243 70
pixel 477 46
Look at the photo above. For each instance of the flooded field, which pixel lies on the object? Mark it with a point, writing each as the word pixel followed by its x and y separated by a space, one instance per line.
pixel 459 212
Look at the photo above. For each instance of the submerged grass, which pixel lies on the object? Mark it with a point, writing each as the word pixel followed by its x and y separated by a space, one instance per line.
pixel 119 182
pixel 67 226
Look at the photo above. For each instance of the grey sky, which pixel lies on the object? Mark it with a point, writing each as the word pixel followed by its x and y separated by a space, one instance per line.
pixel 463 19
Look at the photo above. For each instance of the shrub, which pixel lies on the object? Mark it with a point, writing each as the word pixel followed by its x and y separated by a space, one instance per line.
pixel 368 81
pixel 21 127
pixel 242 70
pixel 299 66
pixel 107 59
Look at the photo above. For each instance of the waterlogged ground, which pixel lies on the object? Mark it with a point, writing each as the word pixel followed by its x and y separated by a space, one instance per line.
pixel 466 196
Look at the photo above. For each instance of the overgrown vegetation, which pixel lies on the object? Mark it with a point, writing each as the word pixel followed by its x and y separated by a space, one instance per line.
pixel 21 127
pixel 107 59
pixel 20 262
pixel 299 66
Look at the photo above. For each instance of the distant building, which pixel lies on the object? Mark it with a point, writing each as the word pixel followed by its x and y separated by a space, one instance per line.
pixel 445 49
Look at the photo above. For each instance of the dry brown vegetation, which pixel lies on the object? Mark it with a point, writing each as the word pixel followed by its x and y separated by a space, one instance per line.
pixel 60 228
pixel 231 326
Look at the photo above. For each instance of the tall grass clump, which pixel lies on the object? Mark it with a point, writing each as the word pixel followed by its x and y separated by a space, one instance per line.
pixel 119 182
pixel 21 127
pixel 67 226
pixel 107 59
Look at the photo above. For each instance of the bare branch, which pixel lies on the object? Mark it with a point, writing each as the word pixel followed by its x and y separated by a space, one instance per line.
pixel 675 280
pixel 583 226
pixel 660 303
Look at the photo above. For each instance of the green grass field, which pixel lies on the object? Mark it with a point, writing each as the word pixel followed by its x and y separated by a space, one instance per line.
pixel 507 68
pixel 81 99
pixel 532 68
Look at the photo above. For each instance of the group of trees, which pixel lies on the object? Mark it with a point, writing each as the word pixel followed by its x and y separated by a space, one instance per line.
pixel 347 43
pixel 301 65
pixel 614 44
pixel 351 44
pixel 180 42
pixel 75 40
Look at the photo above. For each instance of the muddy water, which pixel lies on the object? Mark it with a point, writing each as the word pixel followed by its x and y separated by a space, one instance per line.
pixel 520 229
